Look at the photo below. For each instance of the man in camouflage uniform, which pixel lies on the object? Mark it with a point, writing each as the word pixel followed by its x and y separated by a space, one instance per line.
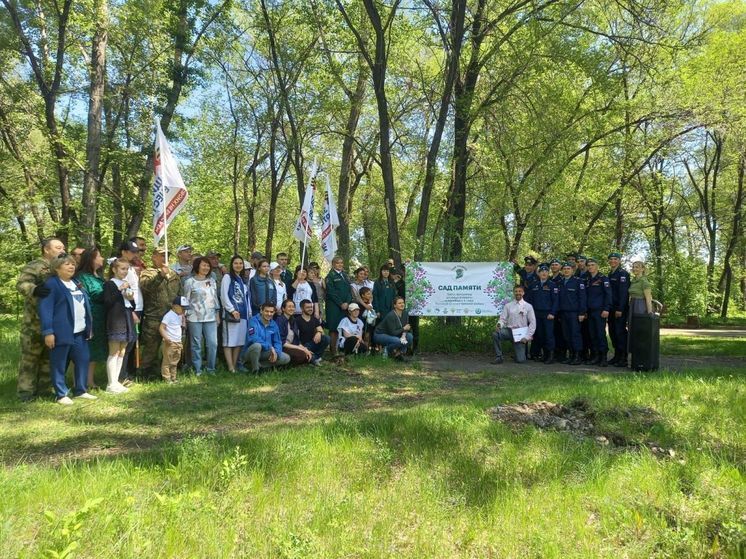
pixel 33 369
pixel 160 285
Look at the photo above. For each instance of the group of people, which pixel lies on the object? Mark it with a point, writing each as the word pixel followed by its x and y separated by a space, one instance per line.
pixel 82 309
pixel 564 308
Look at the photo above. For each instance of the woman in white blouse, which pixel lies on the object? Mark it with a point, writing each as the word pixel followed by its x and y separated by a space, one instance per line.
pixel 275 272
pixel 234 298
pixel 203 315
pixel 301 289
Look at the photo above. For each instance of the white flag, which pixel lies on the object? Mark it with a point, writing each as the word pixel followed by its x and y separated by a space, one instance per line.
pixel 304 225
pixel 329 222
pixel 169 192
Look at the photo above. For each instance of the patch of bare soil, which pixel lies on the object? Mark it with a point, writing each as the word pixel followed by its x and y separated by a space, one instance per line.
pixel 578 418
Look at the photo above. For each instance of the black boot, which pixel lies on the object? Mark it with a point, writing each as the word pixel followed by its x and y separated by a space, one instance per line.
pixel 600 358
pixel 564 357
pixel 589 357
pixel 614 359
pixel 576 359
pixel 622 361
pixel 549 357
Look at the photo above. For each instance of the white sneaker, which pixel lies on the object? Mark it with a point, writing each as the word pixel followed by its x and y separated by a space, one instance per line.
pixel 86 396
pixel 117 389
pixel 65 401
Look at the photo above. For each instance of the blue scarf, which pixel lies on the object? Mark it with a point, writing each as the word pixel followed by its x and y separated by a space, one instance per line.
pixel 237 295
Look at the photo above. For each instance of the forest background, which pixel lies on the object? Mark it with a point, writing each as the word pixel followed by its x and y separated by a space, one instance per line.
pixel 450 130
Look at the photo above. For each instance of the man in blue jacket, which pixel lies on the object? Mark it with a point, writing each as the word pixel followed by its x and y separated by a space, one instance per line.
pixel 598 293
pixel 543 296
pixel 264 344
pixel 619 280
pixel 572 307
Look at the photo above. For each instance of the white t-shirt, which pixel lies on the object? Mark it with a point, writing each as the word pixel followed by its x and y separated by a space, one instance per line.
pixel 303 291
pixel 173 324
pixel 78 306
pixel 282 293
pixel 346 327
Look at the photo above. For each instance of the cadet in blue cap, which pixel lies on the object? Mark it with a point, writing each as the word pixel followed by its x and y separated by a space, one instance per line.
pixel 555 270
pixel 598 293
pixel 619 280
pixel 582 272
pixel 528 272
pixel 544 297
pixel 555 276
pixel 572 307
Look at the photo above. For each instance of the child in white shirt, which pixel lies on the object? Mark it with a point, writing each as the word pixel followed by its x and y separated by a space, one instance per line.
pixel 170 329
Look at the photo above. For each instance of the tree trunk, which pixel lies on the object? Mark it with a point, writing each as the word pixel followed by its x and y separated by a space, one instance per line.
pixel 456 27
pixel 344 200
pixel 736 238
pixel 87 228
pixel 117 208
pixel 463 98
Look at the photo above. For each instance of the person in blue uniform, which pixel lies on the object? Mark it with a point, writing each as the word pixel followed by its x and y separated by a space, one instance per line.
pixel 572 308
pixel 581 271
pixel 598 294
pixel 555 276
pixel 582 267
pixel 543 295
pixel 619 280
pixel 528 272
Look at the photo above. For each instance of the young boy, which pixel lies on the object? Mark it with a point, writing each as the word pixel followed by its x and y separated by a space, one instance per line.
pixel 170 329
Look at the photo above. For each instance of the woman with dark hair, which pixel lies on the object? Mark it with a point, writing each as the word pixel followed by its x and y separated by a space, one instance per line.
pixel 119 300
pixel 302 289
pixel 384 292
pixel 65 317
pixel 203 314
pixel 394 331
pixel 234 298
pixel 90 276
pixel 262 288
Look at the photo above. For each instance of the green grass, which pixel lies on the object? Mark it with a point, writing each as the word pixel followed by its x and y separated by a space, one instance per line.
pixel 374 461
pixel 701 345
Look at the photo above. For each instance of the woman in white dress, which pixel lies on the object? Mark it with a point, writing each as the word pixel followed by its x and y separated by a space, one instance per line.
pixel 234 298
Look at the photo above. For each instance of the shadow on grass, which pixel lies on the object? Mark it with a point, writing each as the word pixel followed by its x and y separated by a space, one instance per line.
pixel 370 401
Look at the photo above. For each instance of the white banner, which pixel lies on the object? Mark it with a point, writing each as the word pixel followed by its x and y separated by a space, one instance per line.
pixel 458 288
pixel 169 192
pixel 329 223
pixel 304 226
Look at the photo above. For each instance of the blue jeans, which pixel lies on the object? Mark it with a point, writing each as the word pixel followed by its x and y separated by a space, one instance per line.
pixel 210 332
pixel 78 354
pixel 393 342
pixel 318 349
pixel 506 334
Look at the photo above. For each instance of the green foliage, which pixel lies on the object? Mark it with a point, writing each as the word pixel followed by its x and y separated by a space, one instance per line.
pixel 66 532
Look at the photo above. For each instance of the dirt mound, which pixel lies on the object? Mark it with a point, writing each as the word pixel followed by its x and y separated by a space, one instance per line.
pixel 575 416
pixel 579 418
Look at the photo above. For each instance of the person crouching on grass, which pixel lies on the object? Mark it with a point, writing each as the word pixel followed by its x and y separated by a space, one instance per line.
pixel 66 325
pixel 171 329
pixel 351 330
pixel 263 344
pixel 515 314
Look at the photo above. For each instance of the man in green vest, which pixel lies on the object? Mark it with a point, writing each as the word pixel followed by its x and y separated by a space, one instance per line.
pixel 33 368
pixel 338 296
